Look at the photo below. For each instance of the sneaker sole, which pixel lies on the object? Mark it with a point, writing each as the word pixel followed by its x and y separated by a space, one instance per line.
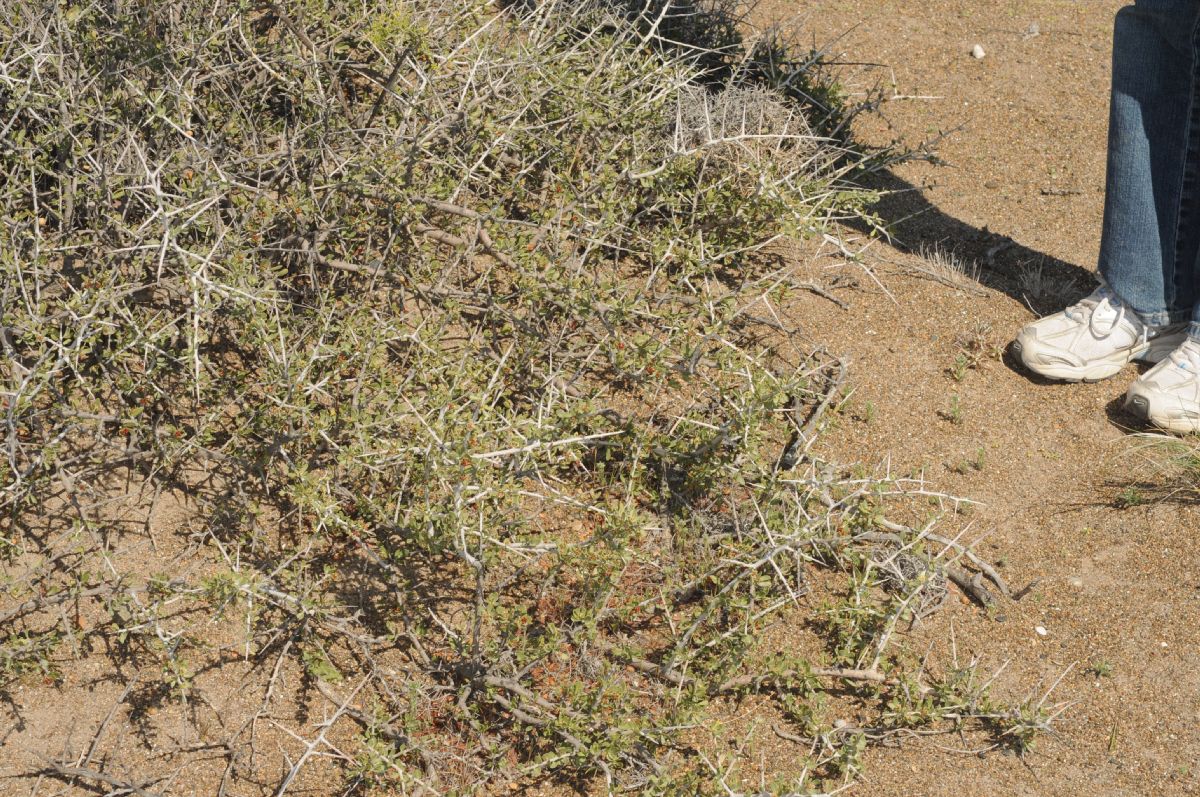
pixel 1156 351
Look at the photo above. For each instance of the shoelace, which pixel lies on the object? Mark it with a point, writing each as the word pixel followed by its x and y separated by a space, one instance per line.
pixel 1107 299
pixel 1187 357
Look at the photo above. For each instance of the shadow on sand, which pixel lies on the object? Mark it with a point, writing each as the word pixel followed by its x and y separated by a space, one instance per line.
pixel 1039 281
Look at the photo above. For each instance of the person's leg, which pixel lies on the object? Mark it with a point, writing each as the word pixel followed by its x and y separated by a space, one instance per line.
pixel 1150 235
pixel 1168 395
pixel 1151 232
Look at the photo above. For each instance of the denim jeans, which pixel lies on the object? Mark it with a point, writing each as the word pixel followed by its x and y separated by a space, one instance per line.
pixel 1150 248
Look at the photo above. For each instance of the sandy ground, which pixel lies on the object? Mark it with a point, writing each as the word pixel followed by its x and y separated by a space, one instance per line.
pixel 1024 181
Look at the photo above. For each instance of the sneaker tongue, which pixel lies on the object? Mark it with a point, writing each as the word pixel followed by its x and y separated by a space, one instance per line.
pixel 1102 311
pixel 1093 300
pixel 1082 310
pixel 1101 295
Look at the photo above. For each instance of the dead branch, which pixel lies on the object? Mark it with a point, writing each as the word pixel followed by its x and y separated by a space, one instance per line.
pixel 70 774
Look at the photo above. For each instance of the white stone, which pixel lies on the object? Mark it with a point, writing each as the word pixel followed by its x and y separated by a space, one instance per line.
pixel 977 52
pixel 1041 630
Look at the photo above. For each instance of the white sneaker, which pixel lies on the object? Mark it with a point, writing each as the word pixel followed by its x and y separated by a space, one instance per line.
pixel 1168 395
pixel 1093 340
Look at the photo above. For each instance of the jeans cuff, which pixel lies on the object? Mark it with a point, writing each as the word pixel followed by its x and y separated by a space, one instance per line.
pixel 1165 318
pixel 1194 331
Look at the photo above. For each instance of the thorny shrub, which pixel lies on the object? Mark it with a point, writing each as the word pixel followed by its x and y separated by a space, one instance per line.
pixel 471 309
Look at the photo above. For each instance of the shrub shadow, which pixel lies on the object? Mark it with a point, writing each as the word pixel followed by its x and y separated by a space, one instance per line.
pixel 1039 281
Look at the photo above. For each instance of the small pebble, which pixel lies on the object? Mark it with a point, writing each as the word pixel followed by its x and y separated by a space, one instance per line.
pixel 1041 630
pixel 977 52
pixel 1077 582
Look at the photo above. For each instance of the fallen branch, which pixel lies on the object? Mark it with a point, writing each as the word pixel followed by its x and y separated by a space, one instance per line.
pixel 61 771
pixel 741 682
pixel 900 531
pixel 774 680
pixel 813 287
pixel 805 434
pixel 972 585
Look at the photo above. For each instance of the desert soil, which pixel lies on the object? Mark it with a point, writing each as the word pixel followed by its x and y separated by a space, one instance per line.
pixel 1023 182
pixel 1021 195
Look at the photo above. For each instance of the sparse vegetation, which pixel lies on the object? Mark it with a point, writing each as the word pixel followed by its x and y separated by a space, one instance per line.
pixel 1044 290
pixel 1129 497
pixel 974 347
pixel 954 412
pixel 976 463
pixel 442 321
pixel 943 265
pixel 1165 468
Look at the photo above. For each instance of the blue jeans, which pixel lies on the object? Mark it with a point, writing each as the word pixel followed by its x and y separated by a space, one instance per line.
pixel 1150 248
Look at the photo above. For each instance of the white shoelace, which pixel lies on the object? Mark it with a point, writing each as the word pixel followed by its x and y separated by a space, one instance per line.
pixel 1107 299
